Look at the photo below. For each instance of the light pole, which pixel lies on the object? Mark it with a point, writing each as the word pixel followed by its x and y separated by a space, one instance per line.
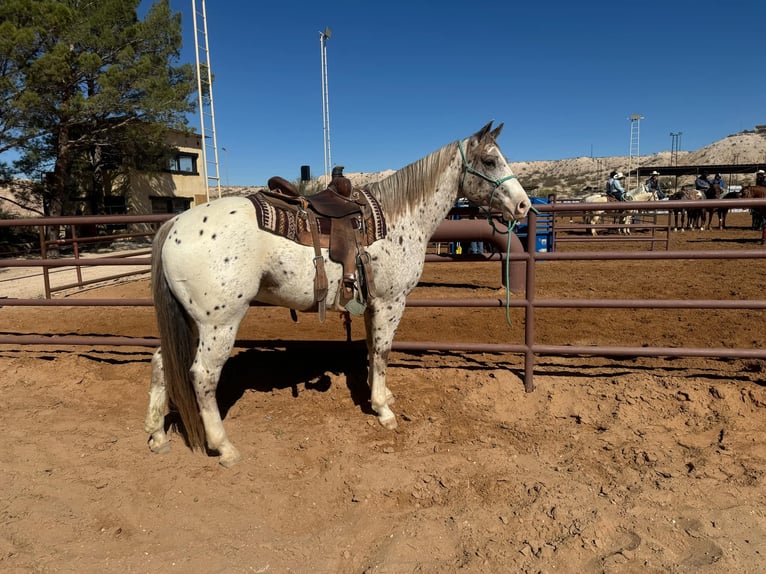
pixel 635 140
pixel 675 146
pixel 225 165
pixel 323 37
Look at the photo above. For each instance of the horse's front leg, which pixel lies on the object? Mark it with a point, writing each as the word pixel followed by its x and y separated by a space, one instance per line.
pixel 593 220
pixel 155 414
pixel 381 323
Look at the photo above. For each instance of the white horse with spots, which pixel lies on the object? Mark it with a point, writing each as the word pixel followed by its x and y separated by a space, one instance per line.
pixel 594 217
pixel 210 262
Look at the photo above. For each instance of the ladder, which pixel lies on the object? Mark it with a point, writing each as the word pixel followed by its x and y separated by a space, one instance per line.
pixel 635 139
pixel 206 107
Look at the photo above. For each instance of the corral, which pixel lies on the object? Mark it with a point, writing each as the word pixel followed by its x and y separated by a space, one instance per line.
pixel 618 464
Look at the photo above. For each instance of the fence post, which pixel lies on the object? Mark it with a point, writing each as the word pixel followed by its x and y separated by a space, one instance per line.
pixel 76 248
pixel 529 319
pixel 44 255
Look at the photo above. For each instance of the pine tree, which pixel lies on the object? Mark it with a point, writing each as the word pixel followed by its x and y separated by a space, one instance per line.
pixel 87 86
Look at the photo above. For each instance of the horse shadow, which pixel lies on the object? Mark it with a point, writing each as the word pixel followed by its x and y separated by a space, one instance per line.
pixel 290 364
pixel 735 240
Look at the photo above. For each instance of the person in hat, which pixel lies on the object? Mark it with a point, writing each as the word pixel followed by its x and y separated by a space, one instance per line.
pixel 760 177
pixel 717 184
pixel 653 185
pixel 614 187
pixel 702 183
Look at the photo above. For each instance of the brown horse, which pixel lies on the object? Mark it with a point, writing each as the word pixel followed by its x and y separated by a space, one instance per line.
pixel 722 212
pixel 706 215
pixel 685 216
pixel 759 213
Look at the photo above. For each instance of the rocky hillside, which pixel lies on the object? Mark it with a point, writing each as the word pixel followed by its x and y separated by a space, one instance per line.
pixel 576 177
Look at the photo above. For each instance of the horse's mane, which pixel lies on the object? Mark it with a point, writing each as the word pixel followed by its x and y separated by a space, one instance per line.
pixel 400 192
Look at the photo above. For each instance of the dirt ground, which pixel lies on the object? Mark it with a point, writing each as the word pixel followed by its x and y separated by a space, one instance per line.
pixel 615 465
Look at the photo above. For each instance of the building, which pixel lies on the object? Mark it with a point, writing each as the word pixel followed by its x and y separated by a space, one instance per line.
pixel 179 187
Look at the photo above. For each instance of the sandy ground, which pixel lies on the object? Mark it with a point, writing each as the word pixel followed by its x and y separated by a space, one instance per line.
pixel 612 465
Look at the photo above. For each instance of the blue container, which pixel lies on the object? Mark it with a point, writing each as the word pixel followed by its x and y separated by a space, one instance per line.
pixel 544 235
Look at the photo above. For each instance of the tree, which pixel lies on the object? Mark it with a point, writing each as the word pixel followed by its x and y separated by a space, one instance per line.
pixel 87 87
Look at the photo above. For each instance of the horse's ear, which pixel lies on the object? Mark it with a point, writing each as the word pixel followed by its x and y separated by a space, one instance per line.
pixel 496 131
pixel 483 131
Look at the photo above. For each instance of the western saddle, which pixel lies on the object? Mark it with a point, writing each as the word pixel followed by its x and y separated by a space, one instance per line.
pixel 341 218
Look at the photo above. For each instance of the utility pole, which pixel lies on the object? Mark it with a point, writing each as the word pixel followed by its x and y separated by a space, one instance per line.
pixel 323 37
pixel 675 146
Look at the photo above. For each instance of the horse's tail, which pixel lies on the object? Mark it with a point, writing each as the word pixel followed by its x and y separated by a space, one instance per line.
pixel 178 343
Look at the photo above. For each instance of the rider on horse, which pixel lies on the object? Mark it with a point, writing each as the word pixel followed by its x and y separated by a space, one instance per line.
pixel 614 187
pixel 653 185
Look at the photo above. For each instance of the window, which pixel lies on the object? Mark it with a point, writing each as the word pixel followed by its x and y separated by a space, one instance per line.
pixel 184 163
pixel 170 204
pixel 115 205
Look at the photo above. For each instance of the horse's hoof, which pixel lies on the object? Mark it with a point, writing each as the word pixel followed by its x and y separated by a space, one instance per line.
pixel 388 423
pixel 159 448
pixel 230 460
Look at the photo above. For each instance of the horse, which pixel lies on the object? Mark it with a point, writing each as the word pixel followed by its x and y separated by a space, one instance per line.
pixel 722 212
pixel 593 218
pixel 705 215
pixel 210 262
pixel 758 213
pixel 686 216
pixel 642 194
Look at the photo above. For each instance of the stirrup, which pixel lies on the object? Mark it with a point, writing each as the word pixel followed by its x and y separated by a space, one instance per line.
pixel 356 307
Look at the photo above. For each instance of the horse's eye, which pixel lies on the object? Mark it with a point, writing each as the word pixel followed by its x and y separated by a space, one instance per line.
pixel 489 163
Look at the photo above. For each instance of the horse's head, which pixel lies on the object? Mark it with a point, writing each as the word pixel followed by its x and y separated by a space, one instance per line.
pixel 486 178
pixel 714 191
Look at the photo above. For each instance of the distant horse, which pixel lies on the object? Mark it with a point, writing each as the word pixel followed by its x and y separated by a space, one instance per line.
pixel 705 215
pixel 684 218
pixel 210 262
pixel 593 218
pixel 759 214
pixel 643 195
pixel 722 212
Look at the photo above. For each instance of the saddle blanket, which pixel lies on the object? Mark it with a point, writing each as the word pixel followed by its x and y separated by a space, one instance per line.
pixel 283 219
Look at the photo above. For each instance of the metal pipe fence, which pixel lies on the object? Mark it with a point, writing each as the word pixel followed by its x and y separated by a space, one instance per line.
pixel 522 262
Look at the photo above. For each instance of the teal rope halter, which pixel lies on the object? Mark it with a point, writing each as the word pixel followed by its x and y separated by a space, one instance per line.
pixel 468 168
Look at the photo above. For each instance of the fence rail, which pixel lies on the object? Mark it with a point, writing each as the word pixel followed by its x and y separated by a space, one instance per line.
pixel 523 265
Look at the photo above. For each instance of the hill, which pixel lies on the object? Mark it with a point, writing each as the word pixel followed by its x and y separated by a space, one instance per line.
pixel 577 176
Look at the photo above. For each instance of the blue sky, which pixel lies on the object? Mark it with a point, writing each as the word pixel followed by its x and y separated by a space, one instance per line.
pixel 408 76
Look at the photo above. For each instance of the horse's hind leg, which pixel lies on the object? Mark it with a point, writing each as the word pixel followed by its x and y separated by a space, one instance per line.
pixel 213 351
pixel 155 415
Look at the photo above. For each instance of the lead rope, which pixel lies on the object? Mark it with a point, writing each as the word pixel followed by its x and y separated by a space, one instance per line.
pixel 488 212
pixel 511 228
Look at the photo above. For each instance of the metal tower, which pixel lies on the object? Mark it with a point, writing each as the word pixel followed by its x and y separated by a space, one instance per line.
pixel 635 139
pixel 675 147
pixel 206 107
pixel 323 37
